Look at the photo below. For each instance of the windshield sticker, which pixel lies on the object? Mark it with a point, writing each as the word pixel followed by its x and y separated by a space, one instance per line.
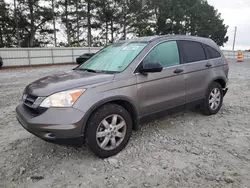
pixel 130 48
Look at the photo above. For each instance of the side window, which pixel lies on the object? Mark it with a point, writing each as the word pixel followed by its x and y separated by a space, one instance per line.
pixel 165 53
pixel 212 53
pixel 192 51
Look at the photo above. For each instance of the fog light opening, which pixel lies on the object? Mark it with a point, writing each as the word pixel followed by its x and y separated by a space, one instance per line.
pixel 49 135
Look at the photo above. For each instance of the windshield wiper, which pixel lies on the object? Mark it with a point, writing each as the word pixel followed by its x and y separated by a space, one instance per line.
pixel 88 70
pixel 96 71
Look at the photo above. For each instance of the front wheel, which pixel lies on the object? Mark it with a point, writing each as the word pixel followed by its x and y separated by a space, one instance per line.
pixel 213 100
pixel 108 130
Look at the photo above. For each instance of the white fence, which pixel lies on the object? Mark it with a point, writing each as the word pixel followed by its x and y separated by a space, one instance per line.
pixel 233 54
pixel 38 56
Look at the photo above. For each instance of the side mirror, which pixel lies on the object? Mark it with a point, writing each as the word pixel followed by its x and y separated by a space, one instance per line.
pixel 150 68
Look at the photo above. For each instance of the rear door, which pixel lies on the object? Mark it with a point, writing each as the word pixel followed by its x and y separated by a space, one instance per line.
pixel 214 56
pixel 162 90
pixel 197 69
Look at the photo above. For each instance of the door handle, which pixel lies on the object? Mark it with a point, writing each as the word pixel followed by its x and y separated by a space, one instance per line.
pixel 178 71
pixel 209 65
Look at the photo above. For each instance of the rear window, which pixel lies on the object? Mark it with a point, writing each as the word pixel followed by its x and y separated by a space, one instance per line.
pixel 211 52
pixel 192 51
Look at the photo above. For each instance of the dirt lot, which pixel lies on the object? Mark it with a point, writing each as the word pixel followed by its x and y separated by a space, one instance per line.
pixel 183 150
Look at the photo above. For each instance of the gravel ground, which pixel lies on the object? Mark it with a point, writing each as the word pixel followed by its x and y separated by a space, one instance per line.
pixel 183 150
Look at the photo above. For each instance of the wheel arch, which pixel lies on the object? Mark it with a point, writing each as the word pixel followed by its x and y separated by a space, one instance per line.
pixel 222 81
pixel 119 100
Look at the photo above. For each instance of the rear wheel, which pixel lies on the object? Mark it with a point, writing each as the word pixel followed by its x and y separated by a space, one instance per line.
pixel 108 130
pixel 214 99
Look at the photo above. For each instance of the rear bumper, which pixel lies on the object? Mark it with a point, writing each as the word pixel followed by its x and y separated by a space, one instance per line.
pixel 54 124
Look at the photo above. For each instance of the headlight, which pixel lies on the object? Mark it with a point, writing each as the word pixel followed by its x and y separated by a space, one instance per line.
pixel 62 99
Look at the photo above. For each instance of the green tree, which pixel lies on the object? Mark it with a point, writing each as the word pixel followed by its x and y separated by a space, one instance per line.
pixel 78 21
pixel 107 16
pixel 90 6
pixel 6 26
pixel 34 20
pixel 100 22
pixel 195 17
pixel 141 20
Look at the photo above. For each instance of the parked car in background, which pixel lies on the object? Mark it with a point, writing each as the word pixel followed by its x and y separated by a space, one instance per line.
pixel 84 57
pixel 123 86
pixel 1 62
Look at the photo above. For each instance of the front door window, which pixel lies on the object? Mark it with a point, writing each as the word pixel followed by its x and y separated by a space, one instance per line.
pixel 165 53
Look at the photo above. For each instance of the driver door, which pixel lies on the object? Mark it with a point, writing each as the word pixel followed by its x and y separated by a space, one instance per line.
pixel 162 90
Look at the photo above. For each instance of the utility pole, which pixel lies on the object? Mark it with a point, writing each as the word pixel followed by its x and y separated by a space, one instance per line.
pixel 17 27
pixel 235 31
pixel 54 22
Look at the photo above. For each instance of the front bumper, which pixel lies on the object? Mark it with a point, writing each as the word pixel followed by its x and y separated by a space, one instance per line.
pixel 53 124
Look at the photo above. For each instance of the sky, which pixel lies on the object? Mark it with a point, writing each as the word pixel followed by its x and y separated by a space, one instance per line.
pixel 235 13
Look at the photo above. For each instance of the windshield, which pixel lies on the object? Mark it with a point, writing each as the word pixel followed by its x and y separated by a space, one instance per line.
pixel 114 58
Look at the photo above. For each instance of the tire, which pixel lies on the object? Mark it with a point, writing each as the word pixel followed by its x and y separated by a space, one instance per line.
pixel 208 108
pixel 100 122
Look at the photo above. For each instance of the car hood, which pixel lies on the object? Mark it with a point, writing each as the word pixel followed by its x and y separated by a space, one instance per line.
pixel 64 81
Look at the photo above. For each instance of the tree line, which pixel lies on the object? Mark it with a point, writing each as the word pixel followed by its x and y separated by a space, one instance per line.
pixel 38 23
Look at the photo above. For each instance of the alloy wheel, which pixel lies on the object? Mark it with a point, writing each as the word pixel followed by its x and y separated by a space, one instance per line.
pixel 214 99
pixel 111 132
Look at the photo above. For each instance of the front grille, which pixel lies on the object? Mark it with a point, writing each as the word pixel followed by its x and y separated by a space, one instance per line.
pixel 34 111
pixel 29 100
pixel 31 105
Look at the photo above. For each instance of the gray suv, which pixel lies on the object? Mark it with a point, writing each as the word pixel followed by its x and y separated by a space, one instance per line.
pixel 123 86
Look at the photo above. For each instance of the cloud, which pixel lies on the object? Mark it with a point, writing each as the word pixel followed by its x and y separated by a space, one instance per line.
pixel 235 13
pixel 230 4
